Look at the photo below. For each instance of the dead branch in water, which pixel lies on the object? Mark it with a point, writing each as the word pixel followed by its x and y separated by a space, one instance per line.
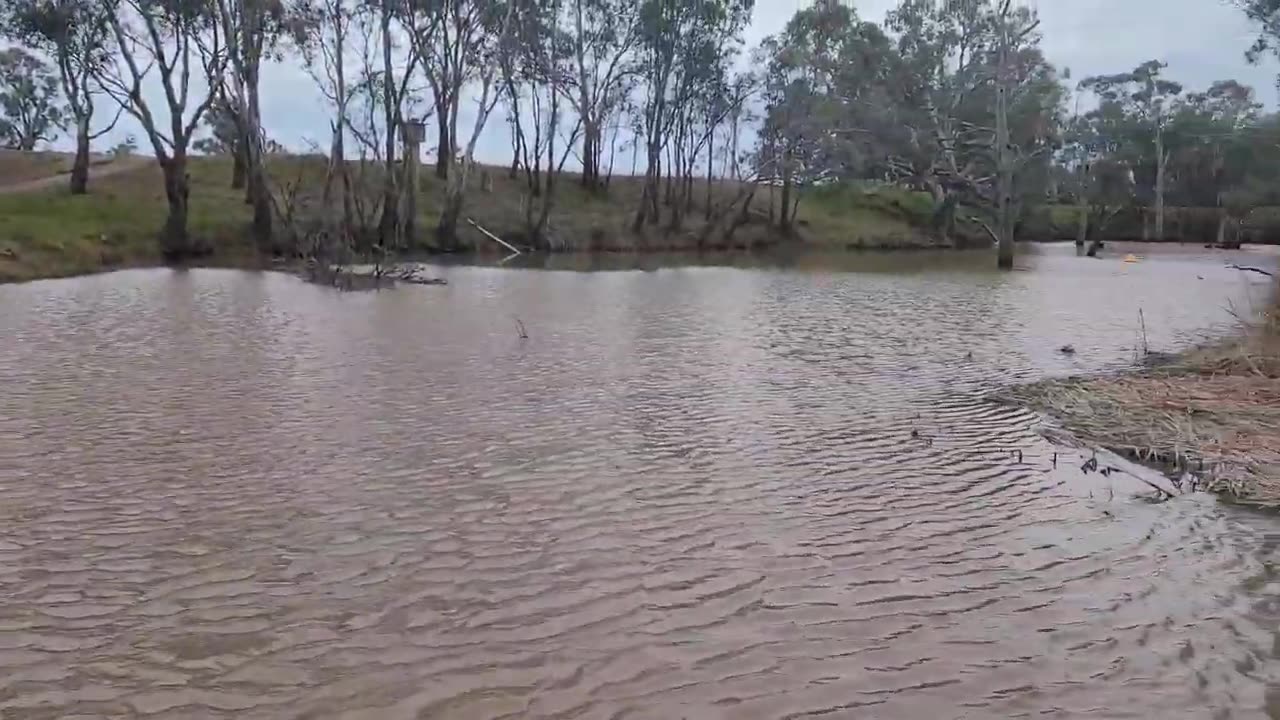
pixel 413 275
pixel 520 331
pixel 1246 268
pixel 375 278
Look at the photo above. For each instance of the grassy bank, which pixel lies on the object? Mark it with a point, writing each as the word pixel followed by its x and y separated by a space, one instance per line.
pixel 48 232
pixel 1182 224
pixel 1211 415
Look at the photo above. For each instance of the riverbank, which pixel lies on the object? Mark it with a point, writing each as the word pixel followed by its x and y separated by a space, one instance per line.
pixel 1209 417
pixel 46 232
pixel 1196 225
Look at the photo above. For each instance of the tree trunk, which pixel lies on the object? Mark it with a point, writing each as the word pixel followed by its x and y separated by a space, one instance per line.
pixel 590 155
pixel 338 161
pixel 743 215
pixel 711 158
pixel 259 190
pixel 447 228
pixel 944 211
pixel 411 155
pixel 649 196
pixel 444 149
pixel 239 167
pixel 389 223
pixel 80 169
pixel 785 219
pixel 1082 225
pixel 1004 184
pixel 175 245
pixel 1161 162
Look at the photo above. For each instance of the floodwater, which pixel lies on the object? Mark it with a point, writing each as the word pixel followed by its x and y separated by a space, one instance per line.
pixel 766 491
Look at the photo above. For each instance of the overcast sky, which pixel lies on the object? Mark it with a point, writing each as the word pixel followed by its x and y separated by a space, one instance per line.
pixel 1202 40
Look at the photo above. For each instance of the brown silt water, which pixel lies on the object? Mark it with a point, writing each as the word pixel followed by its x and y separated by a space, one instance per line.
pixel 760 489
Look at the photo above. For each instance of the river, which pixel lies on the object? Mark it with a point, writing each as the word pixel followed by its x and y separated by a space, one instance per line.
pixel 767 489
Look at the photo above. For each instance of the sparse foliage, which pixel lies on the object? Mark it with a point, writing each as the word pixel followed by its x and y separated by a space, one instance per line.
pixel 31 110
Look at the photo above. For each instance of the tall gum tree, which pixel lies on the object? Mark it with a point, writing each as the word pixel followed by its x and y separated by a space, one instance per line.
pixel 176 43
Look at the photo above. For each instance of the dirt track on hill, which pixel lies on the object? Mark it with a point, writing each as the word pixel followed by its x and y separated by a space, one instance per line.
pixel 97 172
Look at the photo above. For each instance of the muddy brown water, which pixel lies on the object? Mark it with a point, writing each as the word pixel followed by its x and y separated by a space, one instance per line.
pixel 769 490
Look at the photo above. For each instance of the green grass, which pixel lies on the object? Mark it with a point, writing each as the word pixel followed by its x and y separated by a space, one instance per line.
pixel 847 216
pixel 877 217
pixel 52 233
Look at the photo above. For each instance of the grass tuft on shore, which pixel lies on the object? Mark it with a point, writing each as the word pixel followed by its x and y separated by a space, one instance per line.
pixel 1213 412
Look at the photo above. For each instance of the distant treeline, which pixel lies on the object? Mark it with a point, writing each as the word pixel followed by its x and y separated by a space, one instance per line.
pixel 955 98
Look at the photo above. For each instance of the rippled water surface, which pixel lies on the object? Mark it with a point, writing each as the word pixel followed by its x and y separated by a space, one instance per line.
pixel 705 492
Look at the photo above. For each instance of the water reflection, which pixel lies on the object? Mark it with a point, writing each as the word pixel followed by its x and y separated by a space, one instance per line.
pixel 768 490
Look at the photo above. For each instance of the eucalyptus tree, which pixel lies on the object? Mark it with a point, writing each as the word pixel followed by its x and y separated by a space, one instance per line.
pixel 31 109
pixel 1215 146
pixel 1013 29
pixel 978 108
pixel 824 90
pixel 76 35
pixel 535 64
pixel 601 35
pixel 166 41
pixel 323 31
pixel 250 30
pixel 469 42
pixel 1146 96
pixel 679 40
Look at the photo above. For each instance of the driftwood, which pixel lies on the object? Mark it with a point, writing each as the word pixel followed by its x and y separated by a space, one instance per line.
pixel 413 276
pixel 515 250
pixel 375 278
